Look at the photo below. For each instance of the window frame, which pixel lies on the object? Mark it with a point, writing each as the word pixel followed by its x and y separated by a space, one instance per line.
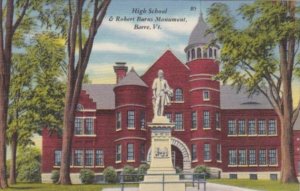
pixel 179 124
pixel 219 153
pixel 260 152
pixel 90 159
pixel 232 159
pixel 207 152
pixel 78 160
pixel 99 157
pixel 206 95
pixel 194 152
pixel 275 127
pixel 242 126
pixel 81 126
pixel 89 124
pixel 143 120
pixel 261 132
pixel 252 160
pixel 251 128
pixel 242 157
pixel 130 119
pixel 273 156
pixel 118 153
pixel 118 120
pixel 206 120
pixel 178 95
pixel 218 120
pixel 194 121
pixel 130 152
pixel 231 125
pixel 57 159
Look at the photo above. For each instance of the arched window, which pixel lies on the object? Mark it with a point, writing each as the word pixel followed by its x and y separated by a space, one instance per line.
pixel 215 51
pixel 79 107
pixel 210 53
pixel 198 52
pixel 178 95
pixel 193 54
pixel 205 53
pixel 188 56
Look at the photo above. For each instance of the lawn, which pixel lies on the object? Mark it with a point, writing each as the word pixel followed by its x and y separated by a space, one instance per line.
pixel 265 185
pixel 53 187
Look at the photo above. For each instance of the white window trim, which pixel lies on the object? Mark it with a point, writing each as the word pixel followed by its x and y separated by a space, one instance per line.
pixel 206 99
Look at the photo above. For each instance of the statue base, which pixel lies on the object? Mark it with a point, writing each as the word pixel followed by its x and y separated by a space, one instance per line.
pixel 161 166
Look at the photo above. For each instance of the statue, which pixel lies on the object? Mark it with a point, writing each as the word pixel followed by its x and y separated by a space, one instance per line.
pixel 162 94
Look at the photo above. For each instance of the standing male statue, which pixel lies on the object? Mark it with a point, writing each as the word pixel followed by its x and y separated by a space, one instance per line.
pixel 162 94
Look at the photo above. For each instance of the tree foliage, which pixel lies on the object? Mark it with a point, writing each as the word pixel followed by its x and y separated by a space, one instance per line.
pixel 261 57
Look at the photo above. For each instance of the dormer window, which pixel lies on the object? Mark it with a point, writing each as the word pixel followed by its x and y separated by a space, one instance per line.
pixel 206 96
pixel 205 53
pixel 178 95
pixel 198 52
pixel 215 53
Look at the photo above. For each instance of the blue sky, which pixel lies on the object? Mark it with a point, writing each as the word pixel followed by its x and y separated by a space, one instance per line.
pixel 118 41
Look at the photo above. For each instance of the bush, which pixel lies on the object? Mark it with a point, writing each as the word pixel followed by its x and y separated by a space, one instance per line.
pixel 129 170
pixel 55 176
pixel 110 175
pixel 142 170
pixel 87 176
pixel 202 169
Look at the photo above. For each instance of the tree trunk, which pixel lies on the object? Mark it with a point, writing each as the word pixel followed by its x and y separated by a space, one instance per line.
pixel 4 88
pixel 14 146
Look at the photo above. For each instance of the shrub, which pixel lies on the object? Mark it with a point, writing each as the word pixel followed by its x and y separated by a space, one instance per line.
pixel 55 176
pixel 30 173
pixel 110 175
pixel 129 170
pixel 87 176
pixel 142 170
pixel 202 169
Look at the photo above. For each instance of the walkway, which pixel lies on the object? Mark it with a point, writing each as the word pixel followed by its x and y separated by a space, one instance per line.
pixel 209 187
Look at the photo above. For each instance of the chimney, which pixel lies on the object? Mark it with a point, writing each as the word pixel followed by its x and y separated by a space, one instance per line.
pixel 120 70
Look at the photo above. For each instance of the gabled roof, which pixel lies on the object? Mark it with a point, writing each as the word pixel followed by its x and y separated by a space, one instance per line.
pixel 198 35
pixel 231 99
pixel 132 78
pixel 102 94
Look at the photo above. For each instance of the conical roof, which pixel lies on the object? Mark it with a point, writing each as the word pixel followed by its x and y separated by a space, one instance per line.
pixel 198 35
pixel 132 78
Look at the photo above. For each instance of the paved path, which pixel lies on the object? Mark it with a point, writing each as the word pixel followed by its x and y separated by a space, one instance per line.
pixel 209 187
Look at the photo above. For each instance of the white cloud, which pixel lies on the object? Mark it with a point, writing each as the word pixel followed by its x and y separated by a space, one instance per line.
pixel 128 28
pixel 103 73
pixel 116 48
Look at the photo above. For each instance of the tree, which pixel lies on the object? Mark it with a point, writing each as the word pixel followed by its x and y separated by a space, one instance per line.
pixel 261 57
pixel 36 92
pixel 12 14
pixel 83 19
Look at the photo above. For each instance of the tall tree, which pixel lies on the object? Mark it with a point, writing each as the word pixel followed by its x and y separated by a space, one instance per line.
pixel 36 92
pixel 11 16
pixel 83 21
pixel 261 57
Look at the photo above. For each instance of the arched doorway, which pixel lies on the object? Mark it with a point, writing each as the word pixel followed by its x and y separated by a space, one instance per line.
pixel 185 154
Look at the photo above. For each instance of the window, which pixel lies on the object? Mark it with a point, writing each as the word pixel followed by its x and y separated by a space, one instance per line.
pixel 89 157
pixel 89 126
pixel 232 157
pixel 193 54
pixel 242 157
pixel 194 152
pixel 169 116
pixel 231 127
pixel 272 127
pixel 251 127
pixel 218 121
pixel 215 53
pixel 198 52
pixel 130 119
pixel 118 120
pixel 142 153
pixel 99 158
pixel 188 56
pixel 79 107
pixel 206 95
pixel 178 95
pixel 273 157
pixel 262 127
pixel 194 120
pixel 242 127
pixel 205 53
pixel 210 52
pixel 130 151
pixel 78 157
pixel 78 126
pixel 252 157
pixel 119 153
pixel 262 157
pixel 57 158
pixel 206 120
pixel 178 121
pixel 219 150
pixel 207 152
pixel 143 120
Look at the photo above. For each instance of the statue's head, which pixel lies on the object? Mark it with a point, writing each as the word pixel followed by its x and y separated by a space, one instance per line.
pixel 160 73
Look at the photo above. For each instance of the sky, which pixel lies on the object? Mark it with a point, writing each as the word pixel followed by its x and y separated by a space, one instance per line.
pixel 119 41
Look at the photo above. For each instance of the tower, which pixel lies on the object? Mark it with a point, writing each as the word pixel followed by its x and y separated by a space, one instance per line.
pixel 204 96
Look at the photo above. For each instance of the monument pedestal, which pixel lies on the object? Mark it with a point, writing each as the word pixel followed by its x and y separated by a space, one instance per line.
pixel 161 167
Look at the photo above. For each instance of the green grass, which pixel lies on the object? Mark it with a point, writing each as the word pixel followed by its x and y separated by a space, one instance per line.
pixel 53 187
pixel 265 185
